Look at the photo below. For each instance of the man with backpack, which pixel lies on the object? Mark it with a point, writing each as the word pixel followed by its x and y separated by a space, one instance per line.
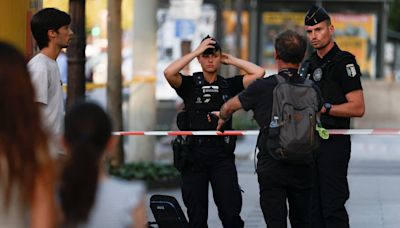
pixel 285 107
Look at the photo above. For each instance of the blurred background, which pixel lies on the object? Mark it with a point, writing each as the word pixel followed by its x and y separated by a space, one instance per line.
pixel 121 47
pixel 153 33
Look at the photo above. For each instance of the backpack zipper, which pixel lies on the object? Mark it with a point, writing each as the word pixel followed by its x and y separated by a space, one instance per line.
pixel 311 130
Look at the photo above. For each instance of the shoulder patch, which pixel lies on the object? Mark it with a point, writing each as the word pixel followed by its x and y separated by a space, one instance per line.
pixel 351 70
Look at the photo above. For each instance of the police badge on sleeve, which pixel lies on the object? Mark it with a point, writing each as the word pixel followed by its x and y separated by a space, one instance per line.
pixel 317 74
pixel 351 70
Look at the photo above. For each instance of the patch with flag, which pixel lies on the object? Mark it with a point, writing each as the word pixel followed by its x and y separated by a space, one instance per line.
pixel 351 70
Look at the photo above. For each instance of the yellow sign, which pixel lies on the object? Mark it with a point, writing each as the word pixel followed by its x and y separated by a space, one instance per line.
pixel 356 33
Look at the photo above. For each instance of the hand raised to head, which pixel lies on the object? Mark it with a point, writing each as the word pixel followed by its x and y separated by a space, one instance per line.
pixel 226 58
pixel 207 43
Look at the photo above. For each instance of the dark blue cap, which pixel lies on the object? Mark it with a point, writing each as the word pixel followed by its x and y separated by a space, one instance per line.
pixel 216 47
pixel 315 15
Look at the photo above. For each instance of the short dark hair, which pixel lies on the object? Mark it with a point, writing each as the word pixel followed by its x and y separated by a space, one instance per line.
pixel 290 46
pixel 45 20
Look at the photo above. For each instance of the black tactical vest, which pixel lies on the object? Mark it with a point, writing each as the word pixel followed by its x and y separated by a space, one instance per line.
pixel 204 99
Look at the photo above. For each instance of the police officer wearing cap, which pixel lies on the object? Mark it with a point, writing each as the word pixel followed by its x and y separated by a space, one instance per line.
pixel 211 161
pixel 337 74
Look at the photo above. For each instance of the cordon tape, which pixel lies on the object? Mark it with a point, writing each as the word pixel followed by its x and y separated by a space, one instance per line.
pixel 383 131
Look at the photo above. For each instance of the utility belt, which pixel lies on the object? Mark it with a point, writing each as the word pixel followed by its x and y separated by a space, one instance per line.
pixel 227 142
pixel 206 141
pixel 184 157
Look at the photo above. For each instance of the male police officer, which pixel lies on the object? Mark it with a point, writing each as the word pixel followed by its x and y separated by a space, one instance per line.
pixel 337 74
pixel 212 158
pixel 279 181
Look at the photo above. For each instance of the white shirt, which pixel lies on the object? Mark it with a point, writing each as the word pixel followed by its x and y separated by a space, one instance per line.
pixel 45 77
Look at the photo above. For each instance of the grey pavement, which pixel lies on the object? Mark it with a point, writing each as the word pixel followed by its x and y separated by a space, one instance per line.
pixel 374 181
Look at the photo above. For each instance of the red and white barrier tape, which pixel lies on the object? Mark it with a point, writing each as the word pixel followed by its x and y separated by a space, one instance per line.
pixel 255 132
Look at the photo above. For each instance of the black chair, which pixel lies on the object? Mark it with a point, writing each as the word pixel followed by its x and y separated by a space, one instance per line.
pixel 167 212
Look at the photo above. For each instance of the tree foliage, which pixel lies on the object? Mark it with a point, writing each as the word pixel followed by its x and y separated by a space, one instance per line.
pixel 394 12
pixel 96 13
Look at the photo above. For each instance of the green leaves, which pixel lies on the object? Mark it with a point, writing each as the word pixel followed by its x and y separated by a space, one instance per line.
pixel 147 171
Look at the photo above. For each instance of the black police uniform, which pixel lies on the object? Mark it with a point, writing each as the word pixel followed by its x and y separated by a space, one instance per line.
pixel 336 74
pixel 278 181
pixel 211 162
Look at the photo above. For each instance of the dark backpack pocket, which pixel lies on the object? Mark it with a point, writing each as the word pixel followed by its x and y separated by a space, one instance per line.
pixel 273 143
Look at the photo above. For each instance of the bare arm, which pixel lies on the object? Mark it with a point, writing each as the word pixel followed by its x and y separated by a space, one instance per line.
pixel 231 106
pixel 139 215
pixel 171 73
pixel 354 107
pixel 44 211
pixel 251 70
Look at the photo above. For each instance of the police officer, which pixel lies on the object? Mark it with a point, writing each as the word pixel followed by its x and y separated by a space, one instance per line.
pixel 279 181
pixel 337 74
pixel 212 161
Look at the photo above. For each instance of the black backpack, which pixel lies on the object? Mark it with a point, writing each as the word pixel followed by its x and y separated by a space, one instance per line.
pixel 292 135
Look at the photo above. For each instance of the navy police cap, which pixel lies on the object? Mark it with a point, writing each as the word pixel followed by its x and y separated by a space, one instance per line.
pixel 217 46
pixel 315 15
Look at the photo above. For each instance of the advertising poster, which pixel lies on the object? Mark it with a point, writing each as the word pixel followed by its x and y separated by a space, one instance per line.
pixel 356 33
pixel 230 33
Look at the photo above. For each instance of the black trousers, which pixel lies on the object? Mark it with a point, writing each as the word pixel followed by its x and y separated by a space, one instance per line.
pixel 282 184
pixel 331 190
pixel 221 172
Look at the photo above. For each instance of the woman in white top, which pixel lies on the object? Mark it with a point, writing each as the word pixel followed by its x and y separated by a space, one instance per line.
pixel 27 178
pixel 89 197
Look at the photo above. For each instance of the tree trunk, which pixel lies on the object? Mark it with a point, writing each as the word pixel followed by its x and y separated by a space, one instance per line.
pixel 76 53
pixel 114 76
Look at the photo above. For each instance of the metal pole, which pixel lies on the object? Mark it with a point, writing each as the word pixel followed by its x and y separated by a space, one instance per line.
pixel 238 28
pixel 253 31
pixel 382 35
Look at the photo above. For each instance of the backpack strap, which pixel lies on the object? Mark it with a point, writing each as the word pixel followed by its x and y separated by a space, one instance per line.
pixel 279 78
pixel 304 68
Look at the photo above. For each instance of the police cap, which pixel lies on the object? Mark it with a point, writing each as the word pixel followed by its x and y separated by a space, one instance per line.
pixel 216 47
pixel 315 15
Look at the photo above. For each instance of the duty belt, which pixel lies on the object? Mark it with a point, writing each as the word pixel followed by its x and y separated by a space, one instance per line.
pixel 206 140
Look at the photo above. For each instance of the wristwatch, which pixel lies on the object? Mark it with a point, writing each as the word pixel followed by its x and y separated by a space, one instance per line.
pixel 328 107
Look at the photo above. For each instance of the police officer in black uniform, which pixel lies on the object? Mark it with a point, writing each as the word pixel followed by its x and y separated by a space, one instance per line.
pixel 211 157
pixel 279 181
pixel 337 74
